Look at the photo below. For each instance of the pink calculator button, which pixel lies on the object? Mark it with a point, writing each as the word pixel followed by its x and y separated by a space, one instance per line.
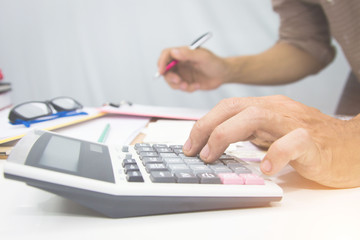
pixel 252 179
pixel 231 178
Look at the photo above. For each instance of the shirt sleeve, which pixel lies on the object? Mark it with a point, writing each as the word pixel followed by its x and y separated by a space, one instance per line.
pixel 304 25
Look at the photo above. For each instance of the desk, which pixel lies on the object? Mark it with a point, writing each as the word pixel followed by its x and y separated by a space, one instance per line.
pixel 307 211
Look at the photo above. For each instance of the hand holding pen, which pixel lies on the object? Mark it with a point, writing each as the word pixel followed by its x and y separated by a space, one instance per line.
pixel 196 68
pixel 194 45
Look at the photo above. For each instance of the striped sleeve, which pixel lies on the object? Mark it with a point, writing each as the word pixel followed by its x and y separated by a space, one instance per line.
pixel 305 26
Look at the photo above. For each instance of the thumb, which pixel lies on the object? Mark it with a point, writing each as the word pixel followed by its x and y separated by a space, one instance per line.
pixel 294 146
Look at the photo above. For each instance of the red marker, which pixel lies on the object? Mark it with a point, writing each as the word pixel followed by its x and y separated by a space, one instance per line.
pixel 1 75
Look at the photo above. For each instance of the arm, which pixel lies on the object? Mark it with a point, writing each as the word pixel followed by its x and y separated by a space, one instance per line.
pixel 201 69
pixel 283 63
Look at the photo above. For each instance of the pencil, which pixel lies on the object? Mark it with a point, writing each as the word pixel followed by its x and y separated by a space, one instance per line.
pixel 104 133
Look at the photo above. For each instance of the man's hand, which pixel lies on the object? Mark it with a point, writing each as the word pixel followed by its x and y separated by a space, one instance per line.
pixel 196 69
pixel 319 147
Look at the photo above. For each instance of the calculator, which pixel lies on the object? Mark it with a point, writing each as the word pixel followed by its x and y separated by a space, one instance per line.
pixel 136 180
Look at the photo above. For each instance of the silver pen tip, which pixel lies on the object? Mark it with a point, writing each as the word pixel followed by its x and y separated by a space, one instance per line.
pixel 157 75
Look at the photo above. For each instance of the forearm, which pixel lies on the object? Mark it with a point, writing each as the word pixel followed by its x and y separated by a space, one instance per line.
pixel 283 63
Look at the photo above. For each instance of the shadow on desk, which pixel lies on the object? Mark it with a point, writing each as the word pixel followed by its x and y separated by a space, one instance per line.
pixel 62 206
pixel 292 181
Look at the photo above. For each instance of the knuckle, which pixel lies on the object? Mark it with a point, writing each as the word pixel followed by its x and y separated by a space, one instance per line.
pixel 257 113
pixel 219 134
pixel 229 104
pixel 199 125
pixel 302 133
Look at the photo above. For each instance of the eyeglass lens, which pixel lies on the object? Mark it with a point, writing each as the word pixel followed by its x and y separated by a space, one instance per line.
pixel 33 109
pixel 65 104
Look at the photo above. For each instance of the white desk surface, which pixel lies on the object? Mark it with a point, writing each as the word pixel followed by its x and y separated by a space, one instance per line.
pixel 307 211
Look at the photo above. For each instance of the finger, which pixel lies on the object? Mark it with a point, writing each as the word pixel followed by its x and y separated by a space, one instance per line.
pixel 173 79
pixel 297 145
pixel 185 54
pixel 164 59
pixel 193 87
pixel 169 54
pixel 240 127
pixel 176 82
pixel 204 127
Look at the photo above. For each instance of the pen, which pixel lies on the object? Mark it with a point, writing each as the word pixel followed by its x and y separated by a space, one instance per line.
pixel 194 45
pixel 104 134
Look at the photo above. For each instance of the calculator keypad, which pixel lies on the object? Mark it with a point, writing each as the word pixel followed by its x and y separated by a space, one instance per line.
pixel 168 164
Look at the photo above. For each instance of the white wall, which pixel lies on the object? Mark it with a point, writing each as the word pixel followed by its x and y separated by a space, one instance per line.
pixel 106 50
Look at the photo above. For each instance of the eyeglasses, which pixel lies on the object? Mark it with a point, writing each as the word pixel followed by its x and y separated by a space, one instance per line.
pixel 36 111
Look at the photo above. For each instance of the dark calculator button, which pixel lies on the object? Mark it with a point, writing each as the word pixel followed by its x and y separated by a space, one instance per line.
pixel 131 167
pixel 193 161
pixel 137 145
pixel 159 145
pixel 144 149
pixel 134 176
pixel 209 178
pixel 220 169
pixel 186 177
pixel 178 151
pixel 150 167
pixel 168 155
pixel 163 149
pixel 148 154
pixel 128 161
pixel 240 169
pixel 147 160
pixel 176 146
pixel 162 177
pixel 173 160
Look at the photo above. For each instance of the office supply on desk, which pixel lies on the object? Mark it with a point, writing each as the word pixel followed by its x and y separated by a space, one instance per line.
pixel 155 111
pixel 4 87
pixel 126 181
pixel 40 111
pixel 10 132
pixel 196 44
pixel 104 133
pixel 124 129
pixel 4 152
pixel 5 90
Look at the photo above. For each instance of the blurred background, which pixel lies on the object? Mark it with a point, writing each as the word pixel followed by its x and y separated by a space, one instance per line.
pixel 99 51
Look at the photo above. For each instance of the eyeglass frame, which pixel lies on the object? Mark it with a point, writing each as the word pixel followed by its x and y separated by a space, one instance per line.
pixel 15 118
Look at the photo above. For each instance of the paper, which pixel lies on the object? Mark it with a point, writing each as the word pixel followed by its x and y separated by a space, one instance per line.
pixel 168 131
pixel 122 129
pixel 156 111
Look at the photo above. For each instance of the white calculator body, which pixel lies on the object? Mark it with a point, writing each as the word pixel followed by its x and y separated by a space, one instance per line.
pixel 127 181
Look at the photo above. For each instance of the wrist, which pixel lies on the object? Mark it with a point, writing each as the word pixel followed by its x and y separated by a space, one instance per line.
pixel 346 155
pixel 235 69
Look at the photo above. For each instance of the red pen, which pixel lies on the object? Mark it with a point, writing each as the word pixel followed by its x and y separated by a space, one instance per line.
pixel 197 43
pixel 1 75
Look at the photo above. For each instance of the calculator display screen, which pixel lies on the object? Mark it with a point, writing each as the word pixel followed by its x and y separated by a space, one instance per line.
pixel 61 153
pixel 71 156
